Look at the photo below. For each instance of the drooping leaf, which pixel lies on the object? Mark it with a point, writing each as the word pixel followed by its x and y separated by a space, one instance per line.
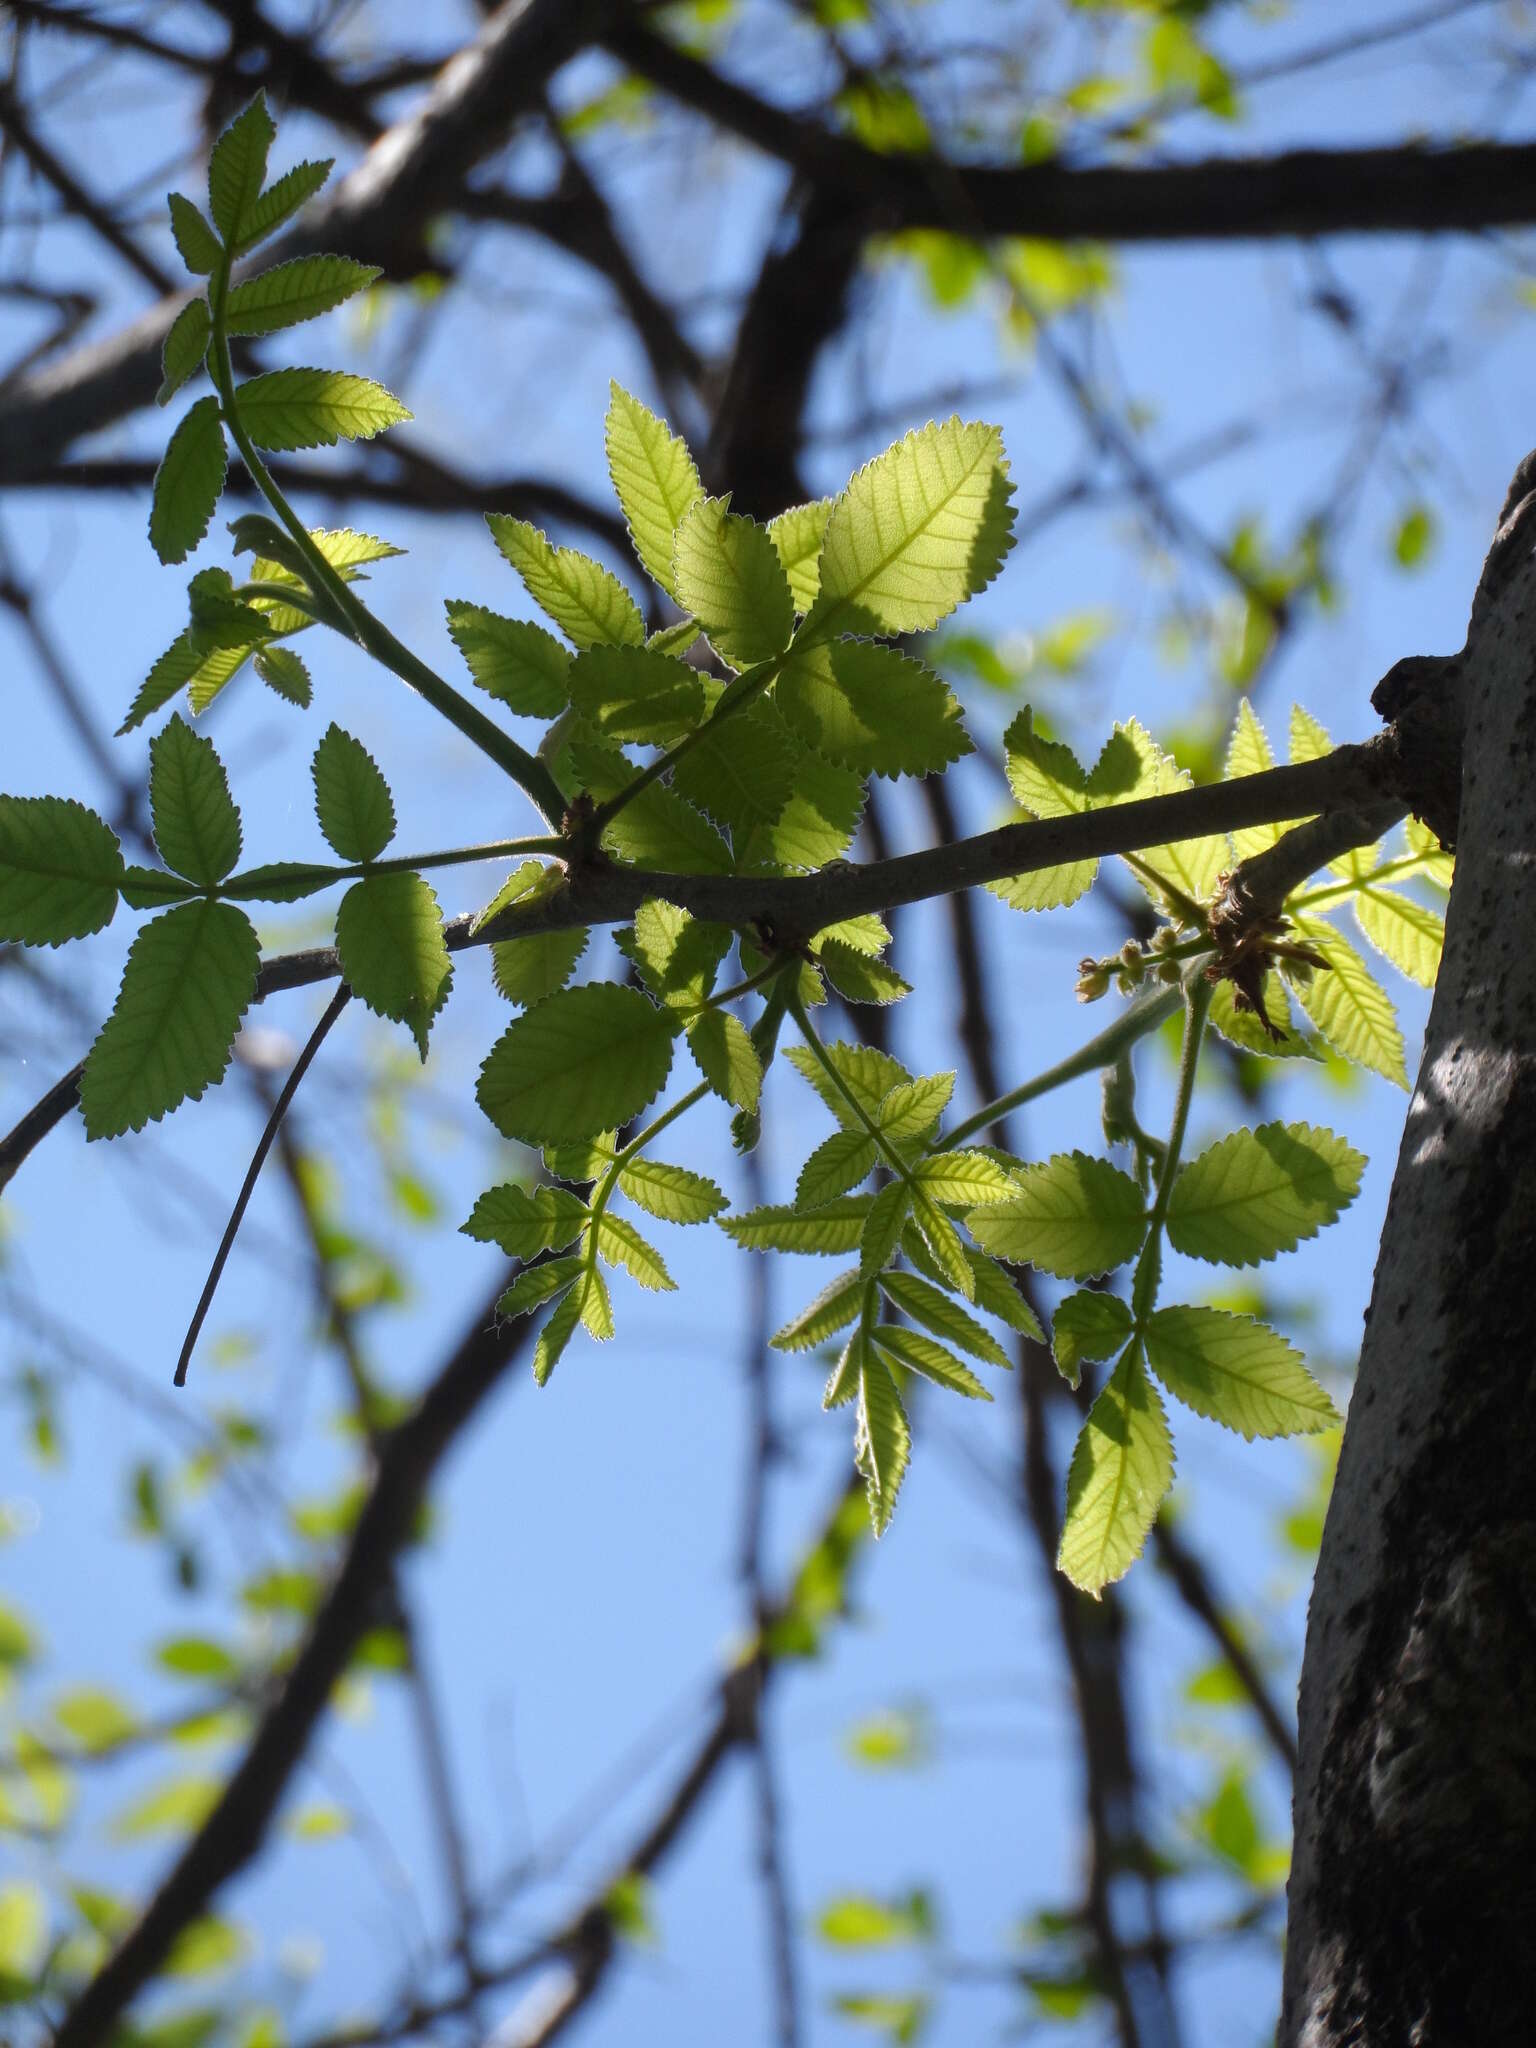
pixel 917 531
pixel 513 659
pixel 586 601
pixel 352 799
pixel 857 977
pixel 292 292
pixel 922 1355
pixel 196 243
pixel 284 673
pixel 882 1443
pixel 197 827
pixel 1072 1216
pixel 633 693
pixel 188 483
pixel 1088 1326
pixel 537 1285
pixel 186 344
pixel 189 979
pixel 838 1164
pixel 528 969
pixel 526 1221
pixel 621 1244
pixel 282 199
pixel 556 1333
pixel 1237 1372
pixel 834 1308
pixel 237 164
pixel 1260 1192
pixel 304 408
pixel 727 573
pixel 798 534
pixel 672 1193
pixel 654 479
pixel 888 1213
pixel 1121 1468
pixel 1348 1004
pixel 727 1058
pixel 872 708
pixel 834 1229
pixel 60 866
pixel 936 1311
pixel 585 1060
pixel 1409 934
pixel 389 933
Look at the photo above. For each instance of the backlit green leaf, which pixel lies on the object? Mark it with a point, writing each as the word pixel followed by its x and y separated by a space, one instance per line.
pixel 634 693
pixel 305 408
pixel 930 1306
pixel 999 1295
pixel 389 933
pixel 527 970
pixel 196 243
pixel 1071 1216
pixel 816 824
pixel 282 199
pixel 621 1244
pixel 962 1178
pixel 197 827
pixel 888 1212
pixel 529 1290
pixel 672 1193
pixel 677 955
pixel 857 977
pixel 882 1443
pixel 352 800
pixel 798 534
pixel 1249 753
pixel 1121 1468
pixel 513 659
pixel 1410 935
pixel 293 292
pixel 726 1058
pixel 833 1309
pixel 586 601
pixel 838 1164
pixel 728 575
pixel 1088 1326
pixel 60 866
pixel 1348 1004
pixel 872 708
pixel 188 483
pixel 526 1221
pixel 1237 1372
pixel 657 829
pixel 917 531
pixel 654 479
pixel 910 1111
pixel 186 344
pixel 237 164
pixel 188 981
pixel 931 1361
pixel 742 772
pixel 1260 1192
pixel 944 1242
pixel 557 1332
pixel 864 1071
pixel 283 672
pixel 585 1060
pixel 834 1229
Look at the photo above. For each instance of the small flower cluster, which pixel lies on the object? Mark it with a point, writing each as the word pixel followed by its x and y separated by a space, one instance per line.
pixel 1131 966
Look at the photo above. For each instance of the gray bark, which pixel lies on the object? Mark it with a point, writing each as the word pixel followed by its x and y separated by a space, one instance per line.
pixel 1413 1891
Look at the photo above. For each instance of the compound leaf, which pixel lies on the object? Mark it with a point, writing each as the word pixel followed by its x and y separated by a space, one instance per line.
pixel 1121 1468
pixel 1236 1371
pixel 838 1164
pixel 936 1311
pixel 634 693
pixel 622 1245
pixel 1407 933
pixel 285 673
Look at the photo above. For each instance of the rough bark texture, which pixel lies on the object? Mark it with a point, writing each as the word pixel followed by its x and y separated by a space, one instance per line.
pixel 1413 1893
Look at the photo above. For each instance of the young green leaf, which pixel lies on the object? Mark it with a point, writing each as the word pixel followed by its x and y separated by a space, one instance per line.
pixel 631 693
pixel 188 483
pixel 1049 783
pixel 622 1245
pixel 671 1193
pixel 657 829
pixel 557 1333
pixel 1121 1468
pixel 352 800
pixel 513 659
pixel 586 601
pixel 284 673
pixel 526 1221
pixel 909 1112
pixel 883 1226
pixel 933 1308
pixel 585 1160
pixel 197 827
pixel 1071 1216
pixel 188 981
pixel 1132 766
pixel 1260 1192
pixel 585 1060
pixel 186 344
pixel 293 292
pixel 817 822
pixel 527 970
pixel 1000 1297
pixel 943 1242
pixel 1088 1326
pixel 727 1058
pixel 528 878
pixel 1242 1027
pixel 594 1304
pixel 922 1355
pixel 281 200
pixel 742 772
pixel 917 531
pixel 389 933
pixel 678 956
pixel 196 243
pixel 305 408
pixel 60 866
pixel 1348 1004
pixel 1237 1372
pixel 832 1230
pixel 838 1164
pixel 798 534
pixel 964 1178
pixel 1407 933
pixel 868 1074
pixel 882 1441
pixel 833 1309
pixel 237 165
pixel 727 573
pixel 654 479
pixel 871 708
pixel 537 1285
pixel 1249 753
pixel 843 1381
pixel 858 978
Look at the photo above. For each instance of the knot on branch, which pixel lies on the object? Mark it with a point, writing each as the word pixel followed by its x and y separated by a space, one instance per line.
pixel 1422 698
pixel 1249 935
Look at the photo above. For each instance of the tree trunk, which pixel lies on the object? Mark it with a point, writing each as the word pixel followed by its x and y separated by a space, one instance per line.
pixel 1413 1893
